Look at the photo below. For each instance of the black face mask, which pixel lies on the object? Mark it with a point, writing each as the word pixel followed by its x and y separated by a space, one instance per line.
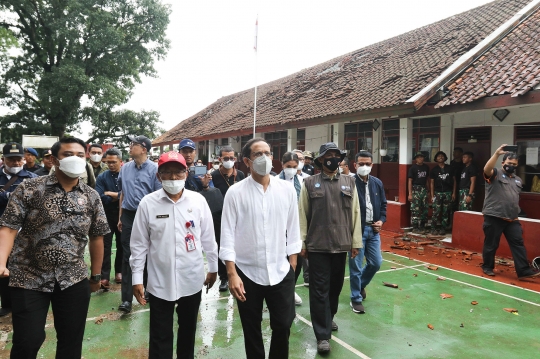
pixel 509 168
pixel 331 163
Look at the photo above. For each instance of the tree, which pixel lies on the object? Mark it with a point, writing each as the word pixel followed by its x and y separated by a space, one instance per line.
pixel 76 58
pixel 115 126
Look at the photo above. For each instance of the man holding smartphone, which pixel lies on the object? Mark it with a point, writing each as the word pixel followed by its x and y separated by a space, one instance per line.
pixel 194 182
pixel 501 209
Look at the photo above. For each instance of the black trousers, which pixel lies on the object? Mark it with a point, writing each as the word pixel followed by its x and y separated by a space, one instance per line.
pixel 161 326
pixel 327 273
pixel 493 229
pixel 127 284
pixel 112 219
pixel 280 302
pixel 5 296
pixel 30 307
pixel 222 269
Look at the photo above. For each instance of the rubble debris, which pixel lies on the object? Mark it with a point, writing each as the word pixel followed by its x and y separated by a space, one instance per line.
pixel 391 285
pixel 446 296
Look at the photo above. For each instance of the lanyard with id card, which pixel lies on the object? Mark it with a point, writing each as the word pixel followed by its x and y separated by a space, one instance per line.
pixel 190 239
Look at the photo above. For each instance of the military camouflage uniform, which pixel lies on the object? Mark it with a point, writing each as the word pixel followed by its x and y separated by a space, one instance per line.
pixel 441 206
pixel 419 206
pixel 463 205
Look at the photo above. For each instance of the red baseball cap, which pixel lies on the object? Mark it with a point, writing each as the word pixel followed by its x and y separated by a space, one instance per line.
pixel 171 156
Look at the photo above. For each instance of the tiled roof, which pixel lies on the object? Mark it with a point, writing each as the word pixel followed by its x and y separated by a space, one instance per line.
pixel 381 75
pixel 511 67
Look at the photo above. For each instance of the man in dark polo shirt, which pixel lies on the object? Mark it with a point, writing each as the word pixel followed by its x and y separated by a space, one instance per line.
pixel 418 193
pixel 501 209
pixel 223 179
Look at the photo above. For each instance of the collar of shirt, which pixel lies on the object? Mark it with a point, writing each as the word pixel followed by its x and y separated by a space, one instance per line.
pixel 53 181
pixel 335 176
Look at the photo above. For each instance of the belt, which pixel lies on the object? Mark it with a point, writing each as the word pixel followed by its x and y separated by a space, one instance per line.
pixel 369 223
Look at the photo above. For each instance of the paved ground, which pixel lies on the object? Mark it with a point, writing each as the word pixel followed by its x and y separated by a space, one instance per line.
pixel 395 324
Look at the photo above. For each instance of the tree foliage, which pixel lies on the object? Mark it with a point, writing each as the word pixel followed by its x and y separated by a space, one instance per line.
pixel 115 126
pixel 77 59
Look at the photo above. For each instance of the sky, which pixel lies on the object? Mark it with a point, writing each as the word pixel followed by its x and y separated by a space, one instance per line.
pixel 212 41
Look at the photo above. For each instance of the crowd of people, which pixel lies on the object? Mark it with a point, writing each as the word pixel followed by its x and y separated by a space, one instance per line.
pixel 257 231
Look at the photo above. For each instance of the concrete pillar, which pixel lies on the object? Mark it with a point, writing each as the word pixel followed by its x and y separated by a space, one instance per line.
pixel 377 144
pixel 291 139
pixel 161 149
pixel 316 136
pixel 446 135
pixel 405 155
pixel 339 134
pixel 237 145
pixel 211 149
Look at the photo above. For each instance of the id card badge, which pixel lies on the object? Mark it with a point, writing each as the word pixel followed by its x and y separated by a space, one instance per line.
pixel 190 242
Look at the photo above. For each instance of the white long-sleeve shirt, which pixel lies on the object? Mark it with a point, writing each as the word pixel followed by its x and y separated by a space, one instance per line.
pixel 158 237
pixel 259 229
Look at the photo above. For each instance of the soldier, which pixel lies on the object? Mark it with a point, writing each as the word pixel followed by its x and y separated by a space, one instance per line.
pixel 418 193
pixel 467 182
pixel 443 193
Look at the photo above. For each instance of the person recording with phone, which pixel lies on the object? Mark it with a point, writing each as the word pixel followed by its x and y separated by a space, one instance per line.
pixel 501 209
pixel 194 182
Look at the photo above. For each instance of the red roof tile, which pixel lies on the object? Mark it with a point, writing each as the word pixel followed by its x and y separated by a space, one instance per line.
pixel 510 67
pixel 381 75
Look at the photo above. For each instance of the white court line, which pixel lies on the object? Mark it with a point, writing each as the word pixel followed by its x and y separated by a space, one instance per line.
pixel 469 274
pixel 337 340
pixel 478 287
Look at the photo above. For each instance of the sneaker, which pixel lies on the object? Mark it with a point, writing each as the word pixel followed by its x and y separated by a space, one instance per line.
pixel 334 326
pixel 323 346
pixel 358 307
pixel 306 284
pixel 489 272
pixel 363 293
pixel 297 299
pixel 530 274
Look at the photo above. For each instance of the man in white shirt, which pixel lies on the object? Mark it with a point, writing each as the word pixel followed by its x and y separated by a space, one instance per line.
pixel 172 227
pixel 259 229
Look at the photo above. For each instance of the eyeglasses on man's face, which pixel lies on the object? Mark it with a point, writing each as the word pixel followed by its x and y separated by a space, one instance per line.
pixel 171 174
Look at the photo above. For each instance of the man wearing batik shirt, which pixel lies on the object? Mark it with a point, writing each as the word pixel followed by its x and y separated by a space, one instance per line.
pixel 54 214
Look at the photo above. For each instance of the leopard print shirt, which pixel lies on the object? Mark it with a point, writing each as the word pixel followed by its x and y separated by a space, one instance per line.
pixel 54 228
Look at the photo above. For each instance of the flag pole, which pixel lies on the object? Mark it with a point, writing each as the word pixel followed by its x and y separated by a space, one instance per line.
pixel 255 97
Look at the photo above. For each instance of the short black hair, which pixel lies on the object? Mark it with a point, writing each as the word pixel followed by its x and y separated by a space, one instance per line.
pixel 113 152
pixel 246 150
pixel 346 161
pixel 56 147
pixel 225 149
pixel 468 153
pixel 458 149
pixel 363 154
pixel 289 156
pixel 510 156
pixel 95 145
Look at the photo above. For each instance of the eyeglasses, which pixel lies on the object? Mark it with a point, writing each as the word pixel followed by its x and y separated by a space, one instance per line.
pixel 259 154
pixel 225 159
pixel 135 144
pixel 170 174
pixel 112 162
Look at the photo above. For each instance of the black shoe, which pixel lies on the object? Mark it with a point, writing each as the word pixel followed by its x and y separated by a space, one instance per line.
pixel 530 274
pixel 488 272
pixel 4 311
pixel 224 285
pixel 334 326
pixel 125 307
pixel 363 293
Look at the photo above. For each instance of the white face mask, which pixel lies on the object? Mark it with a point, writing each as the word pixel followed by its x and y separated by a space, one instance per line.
pixel 216 167
pixel 72 166
pixel 363 170
pixel 96 158
pixel 289 172
pixel 228 164
pixel 340 170
pixel 300 165
pixel 173 186
pixel 262 165
pixel 13 170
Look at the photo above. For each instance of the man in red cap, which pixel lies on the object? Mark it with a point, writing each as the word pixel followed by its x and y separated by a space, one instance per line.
pixel 172 228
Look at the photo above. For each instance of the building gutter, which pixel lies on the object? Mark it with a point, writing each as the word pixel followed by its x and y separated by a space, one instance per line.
pixel 472 55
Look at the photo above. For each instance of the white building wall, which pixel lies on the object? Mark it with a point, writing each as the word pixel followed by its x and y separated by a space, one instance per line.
pixel 316 136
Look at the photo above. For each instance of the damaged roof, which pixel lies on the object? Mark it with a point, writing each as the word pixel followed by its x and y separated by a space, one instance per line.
pixel 381 75
pixel 510 67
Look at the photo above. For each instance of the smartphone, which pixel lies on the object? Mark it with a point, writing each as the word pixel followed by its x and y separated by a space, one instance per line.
pixel 510 148
pixel 200 171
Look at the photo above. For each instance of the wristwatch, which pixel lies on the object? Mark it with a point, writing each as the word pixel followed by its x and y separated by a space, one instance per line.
pixel 471 195
pixel 96 278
